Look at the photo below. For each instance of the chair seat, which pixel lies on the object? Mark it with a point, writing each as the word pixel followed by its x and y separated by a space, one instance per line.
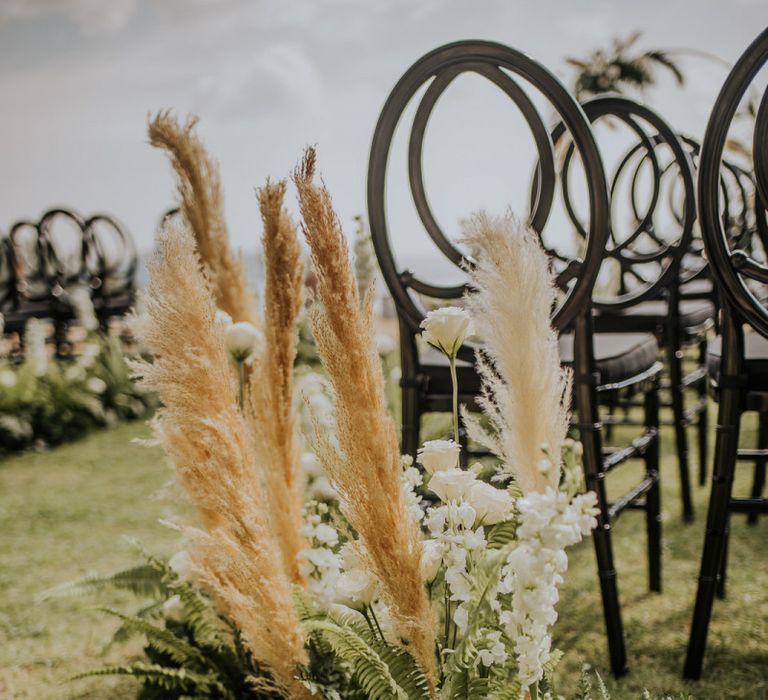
pixel 650 316
pixel 619 356
pixel 755 360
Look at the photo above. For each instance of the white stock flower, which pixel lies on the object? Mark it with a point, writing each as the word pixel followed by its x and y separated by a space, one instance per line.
pixel 491 504
pixel 438 455
pixel 241 340
pixel 326 534
pixel 447 329
pixel 431 558
pixel 321 489
pixel 450 485
pixel 461 618
pixel 356 588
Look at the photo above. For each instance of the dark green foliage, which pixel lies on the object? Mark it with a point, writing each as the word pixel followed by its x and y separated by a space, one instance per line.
pixel 615 70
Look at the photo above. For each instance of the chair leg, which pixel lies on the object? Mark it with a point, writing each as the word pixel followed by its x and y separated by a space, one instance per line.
pixel 411 421
pixel 723 567
pixel 703 423
pixel 758 480
pixel 653 497
pixel 726 446
pixel 675 356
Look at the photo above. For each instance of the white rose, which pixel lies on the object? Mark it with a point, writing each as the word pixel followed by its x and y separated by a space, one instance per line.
pixel 450 485
pixel 96 385
pixel 241 341
pixel 491 504
pixel 447 329
pixel 439 455
pixel 356 588
pixel 8 378
pixel 431 558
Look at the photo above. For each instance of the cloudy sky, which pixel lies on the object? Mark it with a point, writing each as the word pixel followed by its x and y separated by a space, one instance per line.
pixel 79 77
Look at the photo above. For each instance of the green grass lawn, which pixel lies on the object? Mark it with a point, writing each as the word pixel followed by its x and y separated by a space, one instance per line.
pixel 68 512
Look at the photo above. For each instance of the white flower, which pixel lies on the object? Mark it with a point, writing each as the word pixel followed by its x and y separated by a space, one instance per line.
pixel 447 329
pixel 385 345
pixel 450 485
pixel 326 534
pixel 492 505
pixel 439 455
pixel 181 564
pixel 241 340
pixel 350 556
pixel 96 385
pixel 310 465
pixel 461 618
pixel 173 609
pixel 8 378
pixel 356 588
pixel 223 319
pixel 321 489
pixel 431 558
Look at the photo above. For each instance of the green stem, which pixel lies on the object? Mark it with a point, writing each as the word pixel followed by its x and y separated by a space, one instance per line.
pixel 366 608
pixel 376 622
pixel 455 384
pixel 241 377
pixel 446 626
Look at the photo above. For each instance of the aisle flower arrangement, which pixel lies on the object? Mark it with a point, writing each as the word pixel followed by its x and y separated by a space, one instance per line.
pixel 349 570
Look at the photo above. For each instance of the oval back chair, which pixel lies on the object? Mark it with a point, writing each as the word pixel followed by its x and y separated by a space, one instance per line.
pixel 599 362
pixel 737 359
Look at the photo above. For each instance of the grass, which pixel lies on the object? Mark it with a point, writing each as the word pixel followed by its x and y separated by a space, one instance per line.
pixel 65 513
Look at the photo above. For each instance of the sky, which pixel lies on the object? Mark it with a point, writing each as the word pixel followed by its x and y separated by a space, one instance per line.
pixel 78 79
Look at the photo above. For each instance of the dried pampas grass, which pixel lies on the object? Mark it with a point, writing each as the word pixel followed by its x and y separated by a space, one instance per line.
pixel 205 435
pixel 272 411
pixel 202 207
pixel 365 464
pixel 526 392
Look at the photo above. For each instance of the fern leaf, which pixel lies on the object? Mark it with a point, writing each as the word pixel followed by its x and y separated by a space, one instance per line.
pixel 145 580
pixel 368 668
pixel 178 679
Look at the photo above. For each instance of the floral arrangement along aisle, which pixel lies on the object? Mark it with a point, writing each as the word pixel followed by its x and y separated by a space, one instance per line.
pixel 376 591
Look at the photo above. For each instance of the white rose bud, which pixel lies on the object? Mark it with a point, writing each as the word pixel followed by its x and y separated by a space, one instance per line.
pixel 450 485
pixel 447 329
pixel 439 455
pixel 356 588
pixel 431 558
pixel 491 504
pixel 241 340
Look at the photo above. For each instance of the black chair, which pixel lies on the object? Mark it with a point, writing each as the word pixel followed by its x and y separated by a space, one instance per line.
pixel 601 363
pixel 738 360
pixel 648 241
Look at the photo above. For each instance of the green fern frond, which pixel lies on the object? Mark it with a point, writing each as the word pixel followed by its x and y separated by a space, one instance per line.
pixel 162 639
pixel 502 534
pixel 604 694
pixel 368 668
pixel 171 679
pixel 145 581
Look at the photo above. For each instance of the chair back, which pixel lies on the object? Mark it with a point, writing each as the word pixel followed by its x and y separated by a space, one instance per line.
pixel 652 200
pixel 524 82
pixel 739 270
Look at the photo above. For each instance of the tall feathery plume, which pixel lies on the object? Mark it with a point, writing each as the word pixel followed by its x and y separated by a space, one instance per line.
pixel 526 392
pixel 365 465
pixel 204 433
pixel 202 207
pixel 271 379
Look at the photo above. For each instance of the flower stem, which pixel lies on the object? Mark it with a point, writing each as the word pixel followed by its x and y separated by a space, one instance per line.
pixel 455 385
pixel 241 378
pixel 376 621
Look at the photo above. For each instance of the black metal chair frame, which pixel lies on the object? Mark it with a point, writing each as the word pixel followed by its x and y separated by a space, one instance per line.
pixel 612 313
pixel 731 269
pixel 492 61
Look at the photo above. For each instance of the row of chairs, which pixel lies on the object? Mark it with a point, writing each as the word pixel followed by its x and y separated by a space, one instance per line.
pixel 43 261
pixel 662 298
